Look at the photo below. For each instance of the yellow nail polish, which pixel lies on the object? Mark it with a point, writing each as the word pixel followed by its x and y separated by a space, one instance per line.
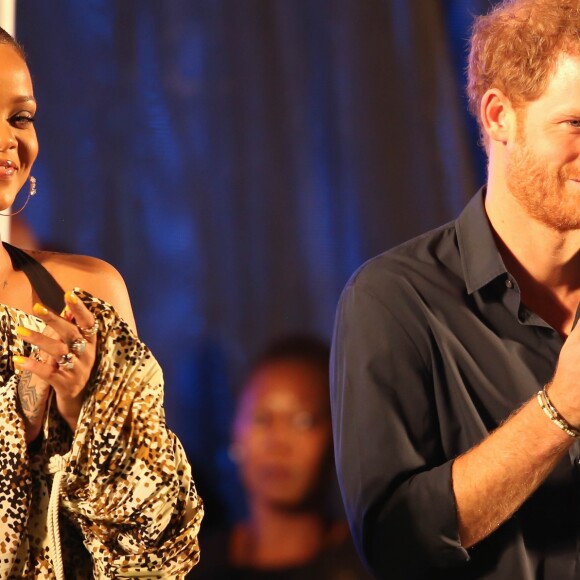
pixel 71 297
pixel 39 309
pixel 22 331
pixel 18 360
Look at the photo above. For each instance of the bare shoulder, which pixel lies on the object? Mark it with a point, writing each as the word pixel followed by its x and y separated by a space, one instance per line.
pixel 96 276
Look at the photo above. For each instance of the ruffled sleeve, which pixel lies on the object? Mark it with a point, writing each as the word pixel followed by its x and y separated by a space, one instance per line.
pixel 16 479
pixel 127 483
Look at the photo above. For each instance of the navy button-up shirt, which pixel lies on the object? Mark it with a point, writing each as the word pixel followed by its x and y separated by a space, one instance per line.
pixel 433 349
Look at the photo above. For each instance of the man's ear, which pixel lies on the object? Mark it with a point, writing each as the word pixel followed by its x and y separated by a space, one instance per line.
pixel 497 116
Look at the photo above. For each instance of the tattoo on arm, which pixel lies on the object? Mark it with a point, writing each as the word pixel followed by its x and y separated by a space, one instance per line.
pixel 28 397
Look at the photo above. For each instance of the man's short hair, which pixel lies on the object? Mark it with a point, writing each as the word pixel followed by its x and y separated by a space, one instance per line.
pixel 515 48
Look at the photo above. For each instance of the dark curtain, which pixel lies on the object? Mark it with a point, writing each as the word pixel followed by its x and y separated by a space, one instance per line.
pixel 237 160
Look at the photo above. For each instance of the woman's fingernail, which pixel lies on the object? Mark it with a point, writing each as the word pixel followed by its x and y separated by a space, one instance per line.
pixel 22 331
pixel 71 297
pixel 39 309
pixel 18 360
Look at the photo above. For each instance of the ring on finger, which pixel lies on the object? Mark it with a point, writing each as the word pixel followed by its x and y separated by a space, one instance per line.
pixel 88 331
pixel 78 346
pixel 66 362
pixel 36 356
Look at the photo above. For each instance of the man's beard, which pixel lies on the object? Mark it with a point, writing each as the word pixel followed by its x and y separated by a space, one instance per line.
pixel 541 192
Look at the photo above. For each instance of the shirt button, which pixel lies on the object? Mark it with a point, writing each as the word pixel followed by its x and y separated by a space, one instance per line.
pixel 509 284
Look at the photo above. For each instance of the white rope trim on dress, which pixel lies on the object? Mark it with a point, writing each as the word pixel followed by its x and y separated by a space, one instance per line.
pixel 56 466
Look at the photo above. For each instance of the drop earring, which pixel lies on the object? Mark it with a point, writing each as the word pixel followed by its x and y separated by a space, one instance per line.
pixel 31 193
pixel 32 190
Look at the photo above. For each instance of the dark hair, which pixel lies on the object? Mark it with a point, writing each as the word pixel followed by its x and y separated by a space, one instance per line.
pixel 6 38
pixel 303 348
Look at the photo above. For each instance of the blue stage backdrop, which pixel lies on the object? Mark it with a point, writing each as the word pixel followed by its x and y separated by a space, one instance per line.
pixel 236 160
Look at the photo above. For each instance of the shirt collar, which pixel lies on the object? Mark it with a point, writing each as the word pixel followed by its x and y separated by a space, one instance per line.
pixel 480 259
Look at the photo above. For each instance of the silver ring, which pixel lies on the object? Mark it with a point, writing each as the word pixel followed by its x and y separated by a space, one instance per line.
pixel 89 331
pixel 66 362
pixel 35 353
pixel 78 346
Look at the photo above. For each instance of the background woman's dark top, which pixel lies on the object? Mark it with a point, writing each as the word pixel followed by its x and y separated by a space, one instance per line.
pixel 339 562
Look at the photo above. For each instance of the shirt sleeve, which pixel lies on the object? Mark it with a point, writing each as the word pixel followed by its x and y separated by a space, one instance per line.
pixel 395 480
pixel 15 483
pixel 127 484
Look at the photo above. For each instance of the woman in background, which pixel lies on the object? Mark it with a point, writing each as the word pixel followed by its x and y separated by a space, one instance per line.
pixel 93 484
pixel 282 444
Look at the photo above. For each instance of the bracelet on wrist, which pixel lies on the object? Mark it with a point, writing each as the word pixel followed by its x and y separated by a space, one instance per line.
pixel 552 414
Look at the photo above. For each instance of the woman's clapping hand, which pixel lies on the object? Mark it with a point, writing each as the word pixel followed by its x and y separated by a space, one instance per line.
pixel 63 357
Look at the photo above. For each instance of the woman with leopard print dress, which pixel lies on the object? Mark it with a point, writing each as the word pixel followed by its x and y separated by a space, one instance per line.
pixel 93 483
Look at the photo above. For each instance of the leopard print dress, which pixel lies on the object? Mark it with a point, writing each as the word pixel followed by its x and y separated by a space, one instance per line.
pixel 128 506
